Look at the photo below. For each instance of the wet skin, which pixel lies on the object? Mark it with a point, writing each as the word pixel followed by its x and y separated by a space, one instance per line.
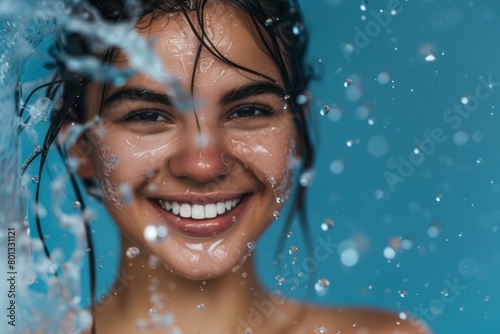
pixel 237 147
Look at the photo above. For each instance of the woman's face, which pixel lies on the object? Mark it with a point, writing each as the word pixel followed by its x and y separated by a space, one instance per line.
pixel 212 174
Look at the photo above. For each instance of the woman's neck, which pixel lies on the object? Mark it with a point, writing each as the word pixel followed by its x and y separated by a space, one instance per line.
pixel 218 305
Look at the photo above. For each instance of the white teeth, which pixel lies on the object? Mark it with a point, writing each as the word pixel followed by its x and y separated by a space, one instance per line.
pixel 221 208
pixel 198 211
pixel 210 211
pixel 185 210
pixel 176 208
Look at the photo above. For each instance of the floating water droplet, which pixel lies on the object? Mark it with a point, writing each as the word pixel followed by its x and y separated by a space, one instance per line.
pixel 486 298
pixel 349 257
pixel 433 231
pixel 289 234
pixel 297 28
pixel 321 286
pixel 324 110
pixel 276 215
pixel 301 99
pixel 306 178
pixel 153 232
pixel 293 250
pixel 403 315
pixel 244 274
pixel 89 250
pixel 76 205
pixel 35 179
pixel 153 311
pixel 132 252
pixel 337 166
pixel 327 224
pixel 268 22
pixel 403 293
pixel 444 293
pixel 200 307
pixel 347 83
pixel 464 100
pixel 461 308
pixel 389 253
pixel 430 58
pixel 383 78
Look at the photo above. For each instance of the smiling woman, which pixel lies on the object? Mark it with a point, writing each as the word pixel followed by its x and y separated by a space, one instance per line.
pixel 193 171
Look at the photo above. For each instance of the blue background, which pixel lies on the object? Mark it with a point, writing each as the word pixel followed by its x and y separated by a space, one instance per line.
pixel 447 208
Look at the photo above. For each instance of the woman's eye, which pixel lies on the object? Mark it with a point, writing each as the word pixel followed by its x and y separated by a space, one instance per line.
pixel 145 116
pixel 250 111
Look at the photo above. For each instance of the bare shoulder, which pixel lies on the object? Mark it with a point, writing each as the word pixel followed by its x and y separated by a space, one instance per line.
pixel 359 321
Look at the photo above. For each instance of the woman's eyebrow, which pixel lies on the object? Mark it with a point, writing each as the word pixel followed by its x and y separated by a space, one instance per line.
pixel 131 93
pixel 255 88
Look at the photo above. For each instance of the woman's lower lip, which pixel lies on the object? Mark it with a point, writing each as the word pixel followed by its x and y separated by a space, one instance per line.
pixel 204 227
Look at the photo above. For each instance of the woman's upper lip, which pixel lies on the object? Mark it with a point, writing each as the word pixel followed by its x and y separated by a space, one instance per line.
pixel 199 198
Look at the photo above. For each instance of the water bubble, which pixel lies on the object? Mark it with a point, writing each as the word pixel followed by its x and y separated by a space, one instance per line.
pixel 389 253
pixel 289 234
pixel 403 293
pixel 293 250
pixel 301 99
pixel 276 215
pixel 430 58
pixel 433 231
pixel 324 110
pixel 132 252
pixel 76 205
pixel 153 233
pixel 200 307
pixel 327 224
pixel 347 83
pixel 378 146
pixel 321 286
pixel 336 166
pixel 306 178
pixel 460 138
pixel 297 28
pixel 464 100
pixel 35 179
pixel 383 78
pixel 349 257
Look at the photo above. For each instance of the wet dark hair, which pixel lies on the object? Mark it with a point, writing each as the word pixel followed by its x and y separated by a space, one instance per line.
pixel 279 26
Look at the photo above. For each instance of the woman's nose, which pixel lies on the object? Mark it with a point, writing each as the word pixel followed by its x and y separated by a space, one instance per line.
pixel 200 157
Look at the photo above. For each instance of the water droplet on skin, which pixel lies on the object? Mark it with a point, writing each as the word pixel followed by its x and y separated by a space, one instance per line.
pixel 35 179
pixel 293 250
pixel 132 252
pixel 76 205
pixel 200 307
pixel 321 286
pixel 321 329
pixel 233 218
pixel 249 245
pixel 324 110
pixel 153 311
pixel 276 215
pixel 244 274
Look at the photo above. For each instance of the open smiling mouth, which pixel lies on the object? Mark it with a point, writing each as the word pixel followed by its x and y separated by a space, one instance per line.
pixel 199 211
pixel 203 220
